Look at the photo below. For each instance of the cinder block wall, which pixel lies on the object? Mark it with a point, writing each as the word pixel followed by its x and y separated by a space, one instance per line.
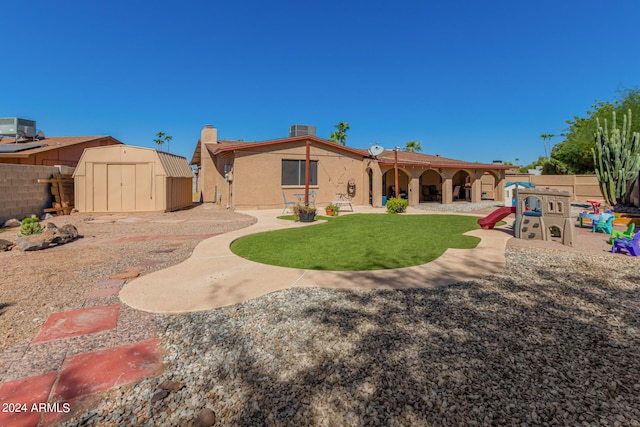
pixel 20 193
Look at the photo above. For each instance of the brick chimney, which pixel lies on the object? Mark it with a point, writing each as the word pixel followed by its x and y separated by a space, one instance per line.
pixel 209 135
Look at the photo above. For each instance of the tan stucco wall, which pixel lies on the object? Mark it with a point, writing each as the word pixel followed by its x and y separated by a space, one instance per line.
pixel 207 175
pixel 257 175
pixel 581 187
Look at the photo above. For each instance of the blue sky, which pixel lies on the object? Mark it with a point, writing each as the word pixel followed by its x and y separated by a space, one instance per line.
pixel 476 81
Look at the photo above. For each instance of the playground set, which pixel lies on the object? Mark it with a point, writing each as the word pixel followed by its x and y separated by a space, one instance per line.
pixel 546 215
pixel 540 215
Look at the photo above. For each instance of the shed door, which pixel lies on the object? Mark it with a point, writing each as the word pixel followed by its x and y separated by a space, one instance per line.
pixel 128 187
pixel 144 187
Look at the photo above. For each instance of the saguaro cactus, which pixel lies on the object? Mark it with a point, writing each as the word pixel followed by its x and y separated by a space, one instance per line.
pixel 617 160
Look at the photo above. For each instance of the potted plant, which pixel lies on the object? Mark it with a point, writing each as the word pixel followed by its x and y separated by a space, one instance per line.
pixel 304 213
pixel 332 210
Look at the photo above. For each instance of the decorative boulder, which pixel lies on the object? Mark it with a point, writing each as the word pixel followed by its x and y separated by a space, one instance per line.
pixel 12 223
pixel 5 245
pixel 52 235
pixel 65 234
pixel 35 242
pixel 205 418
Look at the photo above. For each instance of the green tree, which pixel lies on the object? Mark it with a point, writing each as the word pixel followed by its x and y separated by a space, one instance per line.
pixel 573 155
pixel 340 136
pixel 542 161
pixel 161 139
pixel 413 146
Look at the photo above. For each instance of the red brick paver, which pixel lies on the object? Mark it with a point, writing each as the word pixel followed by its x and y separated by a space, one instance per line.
pixel 103 292
pixel 92 372
pixel 78 322
pixel 18 397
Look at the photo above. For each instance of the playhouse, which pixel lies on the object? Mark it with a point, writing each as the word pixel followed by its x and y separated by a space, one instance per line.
pixel 510 191
pixel 544 215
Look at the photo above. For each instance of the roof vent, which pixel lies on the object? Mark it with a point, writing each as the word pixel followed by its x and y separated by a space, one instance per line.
pixel 302 130
pixel 18 128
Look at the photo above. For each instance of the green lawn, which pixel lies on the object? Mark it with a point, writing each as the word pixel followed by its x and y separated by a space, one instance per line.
pixel 361 242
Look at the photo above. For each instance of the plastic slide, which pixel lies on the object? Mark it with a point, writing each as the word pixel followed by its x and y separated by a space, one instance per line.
pixel 489 221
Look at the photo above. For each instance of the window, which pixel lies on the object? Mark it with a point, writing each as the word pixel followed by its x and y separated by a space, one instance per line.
pixel 293 172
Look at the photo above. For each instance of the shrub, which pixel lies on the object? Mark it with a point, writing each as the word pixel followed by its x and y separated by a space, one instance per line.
pixel 395 205
pixel 30 226
pixel 335 209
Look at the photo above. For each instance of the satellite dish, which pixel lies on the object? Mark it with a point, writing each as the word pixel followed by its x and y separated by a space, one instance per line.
pixel 374 150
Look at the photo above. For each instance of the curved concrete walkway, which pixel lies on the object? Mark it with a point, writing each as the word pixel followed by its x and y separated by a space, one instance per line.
pixel 214 277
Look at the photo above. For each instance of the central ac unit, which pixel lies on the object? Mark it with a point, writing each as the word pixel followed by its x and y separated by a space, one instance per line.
pixel 14 126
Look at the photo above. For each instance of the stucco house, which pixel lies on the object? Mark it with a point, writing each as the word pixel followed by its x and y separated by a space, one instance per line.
pixel 258 175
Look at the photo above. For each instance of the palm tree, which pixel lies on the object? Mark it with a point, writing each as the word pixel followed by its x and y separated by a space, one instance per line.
pixel 340 136
pixel 413 146
pixel 544 137
pixel 335 136
pixel 161 138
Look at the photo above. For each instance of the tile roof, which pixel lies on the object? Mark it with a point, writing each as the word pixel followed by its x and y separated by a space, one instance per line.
pixel 405 158
pixel 419 159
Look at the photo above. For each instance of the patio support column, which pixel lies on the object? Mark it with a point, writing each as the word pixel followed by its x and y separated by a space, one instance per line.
pixel 414 189
pixel 447 189
pixel 499 190
pixel 376 185
pixel 307 166
pixel 476 187
pixel 397 187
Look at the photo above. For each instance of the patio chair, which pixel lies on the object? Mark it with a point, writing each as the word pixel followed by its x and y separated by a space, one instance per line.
pixel 629 245
pixel 615 234
pixel 286 204
pixel 312 198
pixel 456 192
pixel 602 225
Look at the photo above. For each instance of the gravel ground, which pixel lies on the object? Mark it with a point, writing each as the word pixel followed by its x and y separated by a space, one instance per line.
pixel 458 206
pixel 36 284
pixel 551 340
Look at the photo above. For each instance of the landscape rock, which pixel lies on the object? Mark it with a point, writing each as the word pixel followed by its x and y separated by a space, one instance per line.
pixel 159 396
pixel 35 242
pixel 12 223
pixel 65 234
pixel 5 245
pixel 206 418
pixel 46 216
pixel 51 235
pixel 171 385
pixel 129 273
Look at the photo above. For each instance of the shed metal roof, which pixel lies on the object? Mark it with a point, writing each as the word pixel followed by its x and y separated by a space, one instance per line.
pixel 175 166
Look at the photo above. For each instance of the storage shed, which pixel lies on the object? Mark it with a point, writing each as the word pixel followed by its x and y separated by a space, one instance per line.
pixel 122 178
